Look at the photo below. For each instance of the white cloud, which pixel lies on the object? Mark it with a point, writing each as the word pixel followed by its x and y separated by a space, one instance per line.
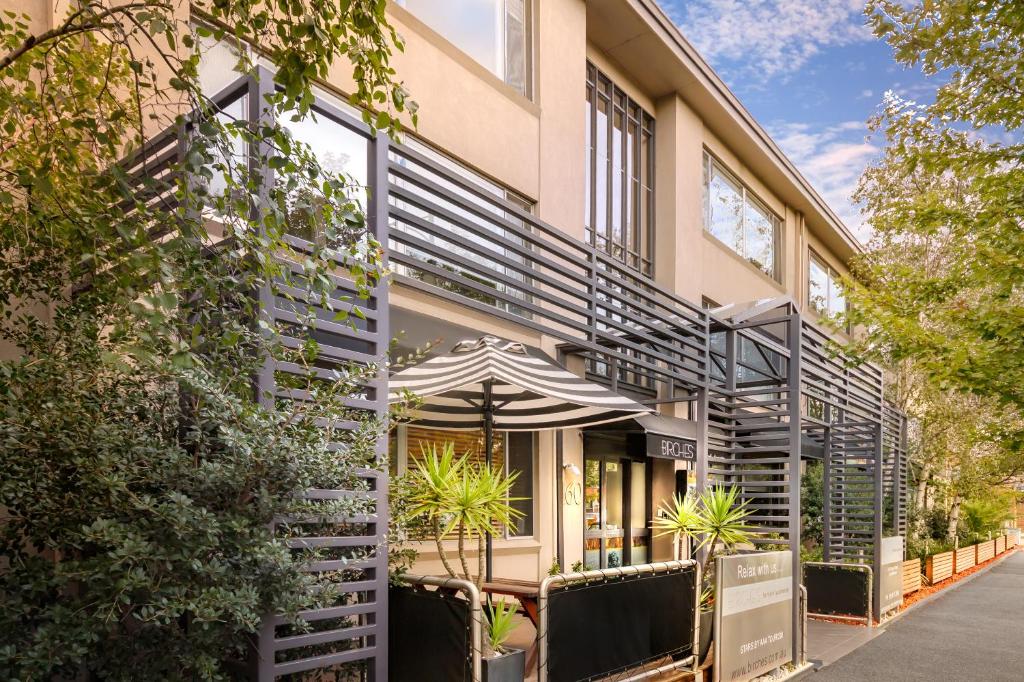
pixel 832 159
pixel 767 37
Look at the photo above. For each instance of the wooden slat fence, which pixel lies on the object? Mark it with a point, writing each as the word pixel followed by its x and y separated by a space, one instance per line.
pixel 911 576
pixel 939 567
pixel 966 557
pixel 986 550
pixel 1000 544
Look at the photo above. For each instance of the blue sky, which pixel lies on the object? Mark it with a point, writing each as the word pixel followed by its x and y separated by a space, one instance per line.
pixel 811 73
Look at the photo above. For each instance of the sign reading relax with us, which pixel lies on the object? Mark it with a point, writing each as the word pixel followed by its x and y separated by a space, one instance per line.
pixel 753 614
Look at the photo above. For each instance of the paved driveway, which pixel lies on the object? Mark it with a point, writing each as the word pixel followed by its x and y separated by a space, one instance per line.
pixel 972 632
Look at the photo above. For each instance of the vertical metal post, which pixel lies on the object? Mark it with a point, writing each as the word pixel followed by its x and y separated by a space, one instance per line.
pixel 488 408
pixel 378 218
pixel 826 497
pixel 793 394
pixel 879 512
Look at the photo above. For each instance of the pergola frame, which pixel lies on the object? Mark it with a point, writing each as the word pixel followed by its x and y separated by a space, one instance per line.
pixel 749 376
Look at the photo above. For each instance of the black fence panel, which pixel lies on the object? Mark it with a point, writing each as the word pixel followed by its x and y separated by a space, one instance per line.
pixel 603 627
pixel 429 636
pixel 837 590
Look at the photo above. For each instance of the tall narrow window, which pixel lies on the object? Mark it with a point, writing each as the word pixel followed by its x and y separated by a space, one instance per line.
pixel 737 219
pixel 824 289
pixel 619 212
pixel 492 32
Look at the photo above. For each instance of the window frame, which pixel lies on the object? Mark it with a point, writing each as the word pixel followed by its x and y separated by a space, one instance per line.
pixel 832 278
pixel 527 90
pixel 710 163
pixel 402 459
pixel 637 217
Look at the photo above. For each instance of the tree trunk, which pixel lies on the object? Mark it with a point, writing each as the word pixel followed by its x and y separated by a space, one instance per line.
pixel 440 550
pixel 921 497
pixel 954 520
pixel 462 551
pixel 481 559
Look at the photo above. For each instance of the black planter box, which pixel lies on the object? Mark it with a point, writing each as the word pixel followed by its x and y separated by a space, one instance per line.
pixel 707 625
pixel 510 667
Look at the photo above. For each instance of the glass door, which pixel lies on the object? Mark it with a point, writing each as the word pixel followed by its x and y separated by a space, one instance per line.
pixel 615 512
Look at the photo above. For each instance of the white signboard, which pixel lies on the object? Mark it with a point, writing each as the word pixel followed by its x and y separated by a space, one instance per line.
pixel 890 574
pixel 753 614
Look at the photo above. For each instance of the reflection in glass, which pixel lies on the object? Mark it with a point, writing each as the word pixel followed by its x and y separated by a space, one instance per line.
pixel 738 220
pixel 492 32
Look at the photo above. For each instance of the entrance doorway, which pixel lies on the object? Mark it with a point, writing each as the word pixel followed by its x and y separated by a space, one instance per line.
pixel 614 511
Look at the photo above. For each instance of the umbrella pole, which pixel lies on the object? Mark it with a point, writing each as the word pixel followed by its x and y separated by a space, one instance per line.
pixel 488 408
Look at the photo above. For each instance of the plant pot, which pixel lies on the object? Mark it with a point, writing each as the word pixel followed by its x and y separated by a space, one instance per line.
pixel 707 625
pixel 509 667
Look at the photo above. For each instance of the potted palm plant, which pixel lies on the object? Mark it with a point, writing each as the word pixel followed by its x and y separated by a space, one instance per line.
pixel 455 495
pixel 501 663
pixel 718 523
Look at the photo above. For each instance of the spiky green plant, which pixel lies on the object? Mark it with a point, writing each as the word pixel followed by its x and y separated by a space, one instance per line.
pixel 500 623
pixel 678 518
pixel 716 518
pixel 457 496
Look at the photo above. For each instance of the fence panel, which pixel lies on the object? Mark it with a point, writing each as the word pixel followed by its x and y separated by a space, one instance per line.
pixel 911 576
pixel 986 550
pixel 838 589
pixel 600 623
pixel 966 557
pixel 939 567
pixel 1000 544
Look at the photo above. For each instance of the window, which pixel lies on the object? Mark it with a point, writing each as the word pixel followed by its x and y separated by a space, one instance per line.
pixel 619 211
pixel 492 32
pixel 824 289
pixel 737 219
pixel 513 452
pixel 519 459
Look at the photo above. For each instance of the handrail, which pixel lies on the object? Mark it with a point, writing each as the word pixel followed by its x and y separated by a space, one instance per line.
pixel 476 612
pixel 623 571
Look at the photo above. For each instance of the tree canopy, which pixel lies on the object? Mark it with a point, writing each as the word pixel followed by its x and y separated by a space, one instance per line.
pixel 940 291
pixel 143 464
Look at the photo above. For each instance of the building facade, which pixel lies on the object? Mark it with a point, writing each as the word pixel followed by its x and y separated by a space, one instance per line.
pixel 583 183
pixel 600 120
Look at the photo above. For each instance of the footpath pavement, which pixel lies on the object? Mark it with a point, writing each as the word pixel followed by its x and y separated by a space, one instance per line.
pixel 974 631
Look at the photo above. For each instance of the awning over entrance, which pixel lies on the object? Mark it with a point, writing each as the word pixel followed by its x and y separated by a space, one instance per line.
pixel 654 435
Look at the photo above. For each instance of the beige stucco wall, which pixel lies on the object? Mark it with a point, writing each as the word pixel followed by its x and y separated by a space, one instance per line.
pixel 535 145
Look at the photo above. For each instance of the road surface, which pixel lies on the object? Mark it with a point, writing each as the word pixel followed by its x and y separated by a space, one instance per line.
pixel 974 631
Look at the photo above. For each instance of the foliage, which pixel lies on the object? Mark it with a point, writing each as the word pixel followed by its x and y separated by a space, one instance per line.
pixel 500 623
pixel 940 292
pixel 950 187
pixel 143 465
pixel 985 515
pixel 812 498
pixel 716 520
pixel 455 495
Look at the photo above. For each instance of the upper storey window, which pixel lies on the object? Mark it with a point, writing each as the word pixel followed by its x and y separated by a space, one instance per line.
pixel 824 289
pixel 738 220
pixel 493 32
pixel 619 213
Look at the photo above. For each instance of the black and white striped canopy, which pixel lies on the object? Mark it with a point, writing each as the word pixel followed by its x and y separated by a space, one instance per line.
pixel 528 390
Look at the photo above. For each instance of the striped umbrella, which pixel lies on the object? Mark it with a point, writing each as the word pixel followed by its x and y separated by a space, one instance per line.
pixel 492 384
pixel 504 385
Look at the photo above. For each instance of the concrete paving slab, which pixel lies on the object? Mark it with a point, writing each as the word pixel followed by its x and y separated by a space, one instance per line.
pixel 970 632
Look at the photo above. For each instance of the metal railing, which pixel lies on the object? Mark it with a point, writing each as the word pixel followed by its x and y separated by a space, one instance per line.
pixel 586 577
pixel 472 594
